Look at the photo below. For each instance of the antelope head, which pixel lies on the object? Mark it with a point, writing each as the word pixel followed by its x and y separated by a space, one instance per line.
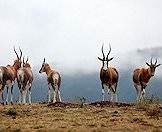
pixel 43 68
pixel 152 67
pixel 105 60
pixel 17 62
pixel 25 63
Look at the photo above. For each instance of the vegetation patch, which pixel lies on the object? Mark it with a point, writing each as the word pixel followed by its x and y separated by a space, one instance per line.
pixel 11 112
pixel 145 103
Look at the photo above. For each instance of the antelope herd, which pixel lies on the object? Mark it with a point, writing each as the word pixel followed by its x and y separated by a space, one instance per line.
pixel 21 73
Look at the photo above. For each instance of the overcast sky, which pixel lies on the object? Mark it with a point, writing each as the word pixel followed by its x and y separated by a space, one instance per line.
pixel 70 33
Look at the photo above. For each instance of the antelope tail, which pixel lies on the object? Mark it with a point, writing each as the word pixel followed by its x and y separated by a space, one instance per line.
pixel 1 76
pixel 1 80
pixel 20 77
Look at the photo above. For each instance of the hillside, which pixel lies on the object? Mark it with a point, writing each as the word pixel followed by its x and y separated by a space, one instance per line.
pixel 101 116
pixel 154 52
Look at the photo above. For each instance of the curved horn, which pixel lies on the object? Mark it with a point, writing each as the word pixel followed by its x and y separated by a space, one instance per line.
pixel 151 61
pixel 23 60
pixel 44 60
pixel 16 53
pixel 156 62
pixel 20 53
pixel 109 50
pixel 27 59
pixel 103 52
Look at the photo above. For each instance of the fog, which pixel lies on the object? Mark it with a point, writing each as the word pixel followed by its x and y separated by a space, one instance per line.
pixel 69 34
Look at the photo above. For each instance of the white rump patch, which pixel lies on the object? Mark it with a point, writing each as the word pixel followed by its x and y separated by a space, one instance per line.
pixel 20 75
pixel 56 76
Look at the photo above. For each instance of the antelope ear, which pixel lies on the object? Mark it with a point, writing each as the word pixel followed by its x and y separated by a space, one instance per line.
pixel 110 59
pixel 158 65
pixel 100 59
pixel 147 64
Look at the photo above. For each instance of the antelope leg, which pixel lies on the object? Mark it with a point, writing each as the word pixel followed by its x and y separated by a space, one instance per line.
pixel 30 95
pixel 7 95
pixel 49 93
pixel 12 94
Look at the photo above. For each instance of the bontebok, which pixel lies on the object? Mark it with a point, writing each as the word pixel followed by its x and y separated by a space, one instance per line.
pixel 8 75
pixel 54 80
pixel 24 80
pixel 108 76
pixel 142 76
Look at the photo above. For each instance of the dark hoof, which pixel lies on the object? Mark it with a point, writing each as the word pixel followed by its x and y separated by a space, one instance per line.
pixel 6 103
pixel 11 103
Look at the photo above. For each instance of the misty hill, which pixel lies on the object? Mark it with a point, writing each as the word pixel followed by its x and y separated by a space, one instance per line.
pixel 88 86
pixel 154 52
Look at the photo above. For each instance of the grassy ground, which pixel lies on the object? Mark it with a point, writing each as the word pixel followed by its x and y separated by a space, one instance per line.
pixel 101 116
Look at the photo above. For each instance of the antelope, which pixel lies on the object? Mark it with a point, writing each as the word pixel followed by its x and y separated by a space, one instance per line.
pixel 24 80
pixel 141 78
pixel 108 76
pixel 8 75
pixel 54 80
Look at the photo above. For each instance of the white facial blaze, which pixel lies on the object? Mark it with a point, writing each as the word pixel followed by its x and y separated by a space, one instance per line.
pixel 105 65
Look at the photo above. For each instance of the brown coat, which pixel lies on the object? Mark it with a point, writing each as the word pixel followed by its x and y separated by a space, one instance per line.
pixel 27 77
pixel 109 76
pixel 141 75
pixel 52 76
pixel 9 73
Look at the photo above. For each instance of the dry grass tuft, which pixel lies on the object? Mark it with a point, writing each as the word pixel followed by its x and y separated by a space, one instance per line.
pixel 151 106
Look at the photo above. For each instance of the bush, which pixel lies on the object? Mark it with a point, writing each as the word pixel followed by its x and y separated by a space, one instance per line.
pixel 11 112
pixel 81 101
